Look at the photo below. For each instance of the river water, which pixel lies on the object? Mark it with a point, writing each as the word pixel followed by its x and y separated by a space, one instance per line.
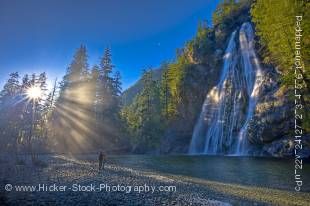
pixel 251 171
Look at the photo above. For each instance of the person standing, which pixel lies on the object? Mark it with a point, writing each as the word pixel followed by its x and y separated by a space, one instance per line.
pixel 100 158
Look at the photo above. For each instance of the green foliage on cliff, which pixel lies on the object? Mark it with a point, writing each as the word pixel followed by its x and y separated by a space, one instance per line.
pixel 201 48
pixel 275 23
pixel 228 16
pixel 230 10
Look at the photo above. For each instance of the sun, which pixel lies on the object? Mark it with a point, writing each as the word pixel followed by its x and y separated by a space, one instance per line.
pixel 34 92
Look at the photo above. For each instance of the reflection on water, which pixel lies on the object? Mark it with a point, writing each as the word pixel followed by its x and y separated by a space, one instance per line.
pixel 253 171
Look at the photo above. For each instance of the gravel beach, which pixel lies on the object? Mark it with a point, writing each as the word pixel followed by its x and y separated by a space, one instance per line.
pixel 76 181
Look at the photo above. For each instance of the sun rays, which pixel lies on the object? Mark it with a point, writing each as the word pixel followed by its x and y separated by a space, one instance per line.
pixel 34 92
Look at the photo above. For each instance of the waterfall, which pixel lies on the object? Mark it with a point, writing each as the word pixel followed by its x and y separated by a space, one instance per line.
pixel 249 60
pixel 230 105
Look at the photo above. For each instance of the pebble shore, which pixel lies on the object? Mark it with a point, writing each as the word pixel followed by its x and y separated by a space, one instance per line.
pixel 83 184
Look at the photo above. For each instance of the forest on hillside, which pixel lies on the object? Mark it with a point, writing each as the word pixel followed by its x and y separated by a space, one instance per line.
pixel 86 112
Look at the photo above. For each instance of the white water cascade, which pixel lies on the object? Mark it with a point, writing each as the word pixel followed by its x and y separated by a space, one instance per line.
pixel 230 105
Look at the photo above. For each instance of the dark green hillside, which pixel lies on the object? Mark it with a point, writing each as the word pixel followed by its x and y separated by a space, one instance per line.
pixel 129 94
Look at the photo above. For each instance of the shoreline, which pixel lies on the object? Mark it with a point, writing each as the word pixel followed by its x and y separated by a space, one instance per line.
pixel 63 170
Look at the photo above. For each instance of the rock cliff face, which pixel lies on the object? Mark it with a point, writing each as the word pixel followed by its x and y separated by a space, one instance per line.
pixel 178 135
pixel 271 129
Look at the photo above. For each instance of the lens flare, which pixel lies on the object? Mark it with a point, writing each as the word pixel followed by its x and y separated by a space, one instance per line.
pixel 34 92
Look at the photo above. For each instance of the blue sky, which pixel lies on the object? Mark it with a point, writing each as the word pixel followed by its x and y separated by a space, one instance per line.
pixel 42 35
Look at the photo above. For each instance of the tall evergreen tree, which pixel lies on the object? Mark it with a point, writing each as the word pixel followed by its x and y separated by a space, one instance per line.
pixel 9 118
pixel 164 92
pixel 117 84
pixel 73 104
pixel 78 69
pixel 105 99
pixel 11 88
pixel 106 63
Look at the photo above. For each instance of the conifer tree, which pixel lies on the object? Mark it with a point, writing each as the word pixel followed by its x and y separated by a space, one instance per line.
pixel 106 63
pixel 9 118
pixel 164 92
pixel 73 104
pixel 117 84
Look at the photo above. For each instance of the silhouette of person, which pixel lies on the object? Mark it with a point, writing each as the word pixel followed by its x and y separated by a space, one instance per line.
pixel 100 158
